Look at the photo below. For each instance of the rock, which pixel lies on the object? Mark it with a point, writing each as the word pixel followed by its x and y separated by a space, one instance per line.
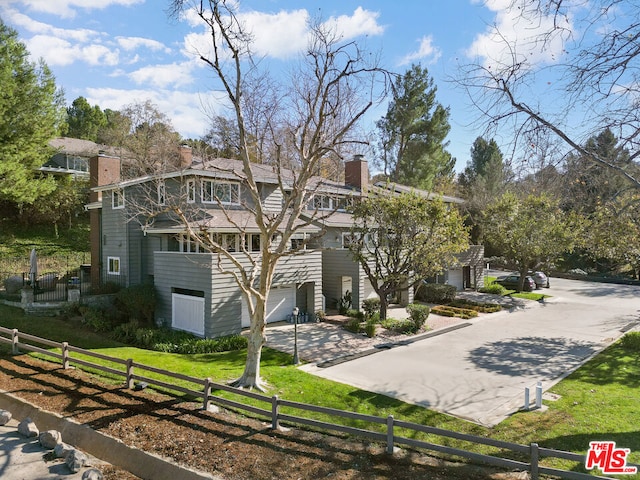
pixel 27 428
pixel 50 438
pixel 5 416
pixel 92 474
pixel 61 450
pixel 75 460
pixel 13 284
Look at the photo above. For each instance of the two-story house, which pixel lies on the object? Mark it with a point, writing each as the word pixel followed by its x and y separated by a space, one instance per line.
pixel 135 239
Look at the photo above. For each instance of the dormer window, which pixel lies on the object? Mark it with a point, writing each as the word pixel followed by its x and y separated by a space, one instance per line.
pixel 327 202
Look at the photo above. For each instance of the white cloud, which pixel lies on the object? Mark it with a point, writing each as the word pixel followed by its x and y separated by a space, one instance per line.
pixel 162 76
pixel 362 22
pixel 513 38
pixel 286 33
pixel 134 43
pixel 30 25
pixel 60 52
pixel 426 50
pixel 69 8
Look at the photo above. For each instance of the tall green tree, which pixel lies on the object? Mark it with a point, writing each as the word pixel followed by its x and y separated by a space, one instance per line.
pixel 85 121
pixel 31 113
pixel 401 239
pixel 530 232
pixel 587 184
pixel 412 148
pixel 484 179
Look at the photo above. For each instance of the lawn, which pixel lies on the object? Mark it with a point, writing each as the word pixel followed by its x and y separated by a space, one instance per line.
pixel 598 402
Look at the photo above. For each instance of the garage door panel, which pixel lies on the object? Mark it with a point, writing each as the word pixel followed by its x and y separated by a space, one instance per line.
pixel 279 305
pixel 187 313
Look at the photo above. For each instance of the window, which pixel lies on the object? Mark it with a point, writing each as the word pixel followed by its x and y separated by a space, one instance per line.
pixel 347 239
pixel 191 191
pixel 225 193
pixel 252 242
pixel 117 199
pixel 113 265
pixel 326 202
pixel 162 194
pixel 298 242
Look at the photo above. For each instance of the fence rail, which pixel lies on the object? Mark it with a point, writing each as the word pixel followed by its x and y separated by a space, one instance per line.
pixel 533 453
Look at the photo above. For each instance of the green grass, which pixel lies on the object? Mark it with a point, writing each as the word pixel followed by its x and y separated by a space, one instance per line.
pixel 524 295
pixel 599 402
pixel 69 250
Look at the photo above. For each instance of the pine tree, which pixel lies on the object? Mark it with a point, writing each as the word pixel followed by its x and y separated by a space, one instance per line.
pixel 31 113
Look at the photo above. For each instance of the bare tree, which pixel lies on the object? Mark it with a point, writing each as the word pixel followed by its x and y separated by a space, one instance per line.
pixel 584 55
pixel 316 110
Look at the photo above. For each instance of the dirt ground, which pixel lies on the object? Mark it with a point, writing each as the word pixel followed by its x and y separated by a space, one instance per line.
pixel 225 444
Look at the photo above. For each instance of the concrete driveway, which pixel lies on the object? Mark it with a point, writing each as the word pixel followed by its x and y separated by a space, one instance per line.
pixel 480 372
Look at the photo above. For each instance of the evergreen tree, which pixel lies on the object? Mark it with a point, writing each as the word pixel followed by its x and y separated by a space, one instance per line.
pixel 412 133
pixel 85 121
pixel 31 113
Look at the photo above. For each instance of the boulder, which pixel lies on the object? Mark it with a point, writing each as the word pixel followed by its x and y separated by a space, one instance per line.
pixel 50 439
pixel 5 416
pixel 92 474
pixel 13 284
pixel 61 450
pixel 27 428
pixel 75 460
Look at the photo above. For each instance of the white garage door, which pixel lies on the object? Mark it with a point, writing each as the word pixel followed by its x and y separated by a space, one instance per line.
pixel 187 313
pixel 455 278
pixel 369 292
pixel 279 305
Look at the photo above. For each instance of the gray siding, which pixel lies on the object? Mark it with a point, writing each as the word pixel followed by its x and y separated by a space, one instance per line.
pixel 335 265
pixel 271 197
pixel 223 298
pixel 114 239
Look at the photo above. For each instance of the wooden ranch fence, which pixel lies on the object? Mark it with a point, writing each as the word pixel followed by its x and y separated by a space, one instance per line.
pixel 532 453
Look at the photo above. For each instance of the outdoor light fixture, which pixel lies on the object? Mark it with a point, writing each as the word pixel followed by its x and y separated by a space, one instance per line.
pixel 295 313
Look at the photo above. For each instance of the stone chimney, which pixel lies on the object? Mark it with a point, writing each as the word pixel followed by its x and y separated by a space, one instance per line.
pixel 186 156
pixel 356 173
pixel 103 170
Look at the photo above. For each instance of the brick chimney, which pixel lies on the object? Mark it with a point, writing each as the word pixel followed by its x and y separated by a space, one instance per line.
pixel 103 170
pixel 356 173
pixel 186 156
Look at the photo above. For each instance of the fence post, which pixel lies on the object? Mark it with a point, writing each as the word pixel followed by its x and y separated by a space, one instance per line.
pixel 14 342
pixel 390 434
pixel 65 355
pixel 275 411
pixel 206 393
pixel 129 380
pixel 535 457
pixel 539 395
pixel 527 401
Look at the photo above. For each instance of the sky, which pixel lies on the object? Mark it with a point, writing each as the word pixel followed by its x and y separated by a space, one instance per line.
pixel 118 52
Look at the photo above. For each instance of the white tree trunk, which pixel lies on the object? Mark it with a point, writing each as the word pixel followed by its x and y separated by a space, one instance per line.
pixel 251 376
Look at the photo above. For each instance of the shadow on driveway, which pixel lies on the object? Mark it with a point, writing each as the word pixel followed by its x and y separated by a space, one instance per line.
pixel 527 355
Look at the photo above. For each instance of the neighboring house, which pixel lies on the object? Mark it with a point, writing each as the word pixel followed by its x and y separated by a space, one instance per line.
pixel 72 156
pixel 193 294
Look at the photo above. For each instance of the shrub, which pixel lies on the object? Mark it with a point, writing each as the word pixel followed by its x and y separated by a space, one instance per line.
pixel 370 329
pixel 138 302
pixel 100 319
pixel 353 313
pixel 631 341
pixel 344 303
pixel 418 314
pixel 435 293
pixel 448 311
pixel 321 316
pixel 353 325
pixel 493 288
pixel 478 307
pixel 371 306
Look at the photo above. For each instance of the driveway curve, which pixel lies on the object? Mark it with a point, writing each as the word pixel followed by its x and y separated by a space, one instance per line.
pixel 480 372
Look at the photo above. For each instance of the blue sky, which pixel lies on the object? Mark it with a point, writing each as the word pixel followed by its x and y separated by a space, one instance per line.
pixel 117 52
